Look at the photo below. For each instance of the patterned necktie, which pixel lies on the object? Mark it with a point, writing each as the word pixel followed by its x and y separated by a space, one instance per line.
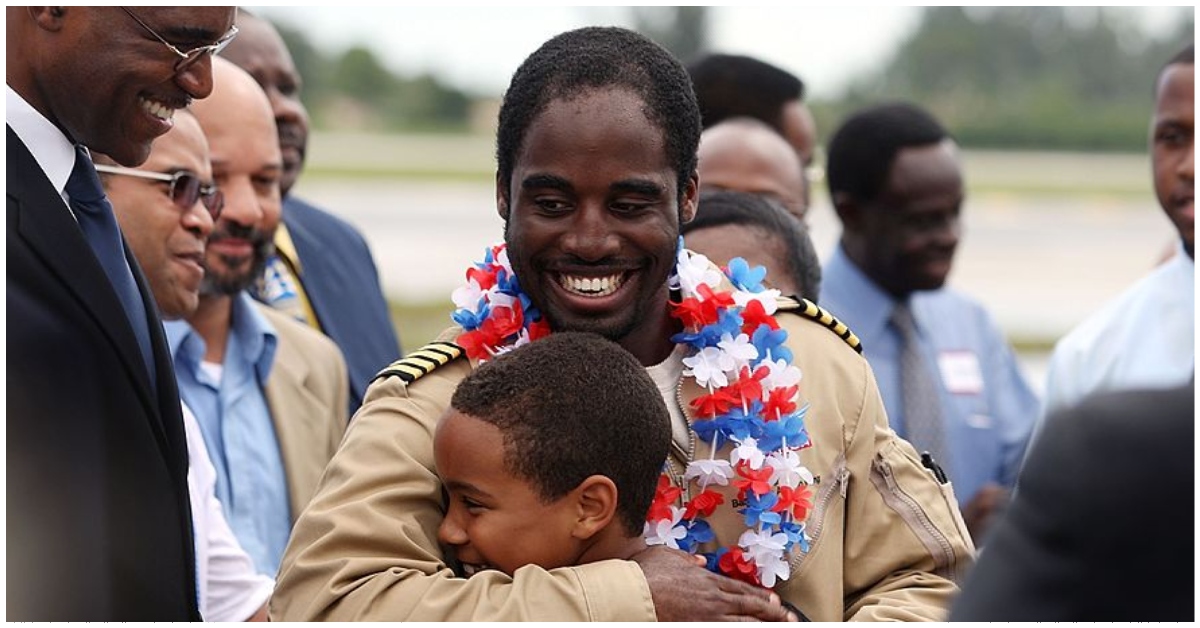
pixel 919 389
pixel 95 216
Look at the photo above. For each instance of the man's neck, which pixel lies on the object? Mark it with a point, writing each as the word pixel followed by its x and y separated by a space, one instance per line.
pixel 213 320
pixel 651 343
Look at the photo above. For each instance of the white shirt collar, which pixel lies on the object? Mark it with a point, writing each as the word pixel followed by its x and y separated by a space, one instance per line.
pixel 52 150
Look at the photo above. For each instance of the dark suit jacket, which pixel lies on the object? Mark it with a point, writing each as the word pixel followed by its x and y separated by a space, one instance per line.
pixel 1101 525
pixel 342 284
pixel 99 526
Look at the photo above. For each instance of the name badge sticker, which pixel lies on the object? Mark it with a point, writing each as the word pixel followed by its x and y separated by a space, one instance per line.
pixel 961 374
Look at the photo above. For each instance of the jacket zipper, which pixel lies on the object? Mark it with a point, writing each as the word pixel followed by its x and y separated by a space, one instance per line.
pixel 839 484
pixel 916 518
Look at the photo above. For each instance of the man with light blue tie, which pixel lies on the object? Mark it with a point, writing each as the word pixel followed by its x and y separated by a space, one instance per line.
pixel 98 518
pixel 949 380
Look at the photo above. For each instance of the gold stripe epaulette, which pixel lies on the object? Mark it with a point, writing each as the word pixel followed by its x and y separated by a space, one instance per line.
pixel 422 361
pixel 814 312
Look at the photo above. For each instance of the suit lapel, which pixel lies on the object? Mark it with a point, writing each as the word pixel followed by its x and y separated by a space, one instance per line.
pixel 56 239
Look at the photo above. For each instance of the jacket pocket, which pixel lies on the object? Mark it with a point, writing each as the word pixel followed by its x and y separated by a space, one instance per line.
pixel 928 508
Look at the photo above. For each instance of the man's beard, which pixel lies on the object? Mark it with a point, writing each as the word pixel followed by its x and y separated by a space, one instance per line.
pixel 227 281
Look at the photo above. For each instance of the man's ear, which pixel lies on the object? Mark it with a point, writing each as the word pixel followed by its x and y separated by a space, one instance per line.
pixel 501 196
pixel 691 199
pixel 596 505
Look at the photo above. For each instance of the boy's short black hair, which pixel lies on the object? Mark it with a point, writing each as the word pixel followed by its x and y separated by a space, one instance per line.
pixel 598 57
pixel 728 207
pixel 572 405
pixel 864 148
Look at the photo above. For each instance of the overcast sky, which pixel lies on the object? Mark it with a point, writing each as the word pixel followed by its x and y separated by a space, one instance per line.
pixel 477 48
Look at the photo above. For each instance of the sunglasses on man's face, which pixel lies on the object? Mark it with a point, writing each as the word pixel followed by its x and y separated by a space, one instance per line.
pixel 185 189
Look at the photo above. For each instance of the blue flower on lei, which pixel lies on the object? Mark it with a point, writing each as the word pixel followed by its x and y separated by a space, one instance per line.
pixel 469 320
pixel 758 510
pixel 745 277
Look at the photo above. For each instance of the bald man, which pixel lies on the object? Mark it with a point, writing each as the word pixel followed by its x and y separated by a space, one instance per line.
pixel 746 155
pixel 268 392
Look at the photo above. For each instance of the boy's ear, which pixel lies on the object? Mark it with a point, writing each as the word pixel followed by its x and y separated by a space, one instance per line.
pixel 596 503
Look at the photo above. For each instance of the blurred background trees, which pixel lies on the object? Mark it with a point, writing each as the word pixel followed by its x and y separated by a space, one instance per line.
pixel 1003 77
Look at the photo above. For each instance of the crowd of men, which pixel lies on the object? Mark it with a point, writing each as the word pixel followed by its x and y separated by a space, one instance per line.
pixel 188 342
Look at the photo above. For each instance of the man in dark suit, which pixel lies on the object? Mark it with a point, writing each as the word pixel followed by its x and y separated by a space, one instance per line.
pixel 1101 527
pixel 98 523
pixel 323 273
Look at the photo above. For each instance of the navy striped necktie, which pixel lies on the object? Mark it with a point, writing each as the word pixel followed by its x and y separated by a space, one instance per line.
pixel 99 225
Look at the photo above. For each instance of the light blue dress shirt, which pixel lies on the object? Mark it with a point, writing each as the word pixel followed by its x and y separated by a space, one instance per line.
pixel 988 410
pixel 238 431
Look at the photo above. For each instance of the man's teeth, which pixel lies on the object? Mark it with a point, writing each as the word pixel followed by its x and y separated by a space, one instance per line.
pixel 156 109
pixel 591 286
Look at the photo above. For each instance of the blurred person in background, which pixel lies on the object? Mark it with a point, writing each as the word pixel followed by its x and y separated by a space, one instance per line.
pixel 268 392
pixel 948 377
pixel 97 500
pixel 1103 525
pixel 166 210
pixel 732 86
pixel 746 155
pixel 322 272
pixel 731 224
pixel 1146 336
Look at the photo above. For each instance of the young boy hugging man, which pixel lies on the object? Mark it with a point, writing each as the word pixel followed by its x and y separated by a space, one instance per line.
pixel 550 455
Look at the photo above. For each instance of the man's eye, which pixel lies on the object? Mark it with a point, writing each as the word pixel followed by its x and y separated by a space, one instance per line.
pixel 553 205
pixel 625 207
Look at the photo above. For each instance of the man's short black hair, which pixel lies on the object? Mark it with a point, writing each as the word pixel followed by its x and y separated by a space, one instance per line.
pixel 601 57
pixel 724 207
pixel 572 405
pixel 862 151
pixel 729 86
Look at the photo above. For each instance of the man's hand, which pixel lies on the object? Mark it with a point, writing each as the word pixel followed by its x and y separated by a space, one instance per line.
pixel 683 590
pixel 984 509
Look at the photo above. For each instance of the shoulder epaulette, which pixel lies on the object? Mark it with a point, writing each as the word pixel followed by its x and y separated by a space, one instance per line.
pixel 814 312
pixel 421 362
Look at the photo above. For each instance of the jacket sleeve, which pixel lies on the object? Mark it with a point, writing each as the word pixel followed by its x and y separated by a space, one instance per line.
pixel 906 545
pixel 366 547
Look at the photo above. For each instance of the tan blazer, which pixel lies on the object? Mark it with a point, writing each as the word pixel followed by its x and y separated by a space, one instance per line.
pixel 306 393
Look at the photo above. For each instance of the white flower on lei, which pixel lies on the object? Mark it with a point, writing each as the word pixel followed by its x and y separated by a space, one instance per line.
pixel 766 297
pixel 748 450
pixel 695 269
pixel 709 472
pixel 740 349
pixel 664 531
pixel 709 367
pixel 787 470
pixel 499 299
pixel 467 296
pixel 502 261
pixel 781 374
pixel 767 550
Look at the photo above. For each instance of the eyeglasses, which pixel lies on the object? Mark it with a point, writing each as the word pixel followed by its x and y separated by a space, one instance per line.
pixel 185 189
pixel 186 59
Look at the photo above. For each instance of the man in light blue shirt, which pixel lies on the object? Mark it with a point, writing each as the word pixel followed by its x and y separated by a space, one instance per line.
pixel 268 392
pixel 948 378
pixel 229 404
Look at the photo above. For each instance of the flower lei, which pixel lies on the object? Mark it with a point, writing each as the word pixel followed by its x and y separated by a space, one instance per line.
pixel 738 355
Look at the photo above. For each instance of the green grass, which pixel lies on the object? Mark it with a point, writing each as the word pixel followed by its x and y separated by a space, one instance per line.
pixel 420 322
